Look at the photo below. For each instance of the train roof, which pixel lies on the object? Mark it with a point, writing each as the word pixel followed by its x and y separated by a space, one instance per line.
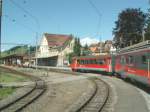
pixel 100 56
pixel 139 46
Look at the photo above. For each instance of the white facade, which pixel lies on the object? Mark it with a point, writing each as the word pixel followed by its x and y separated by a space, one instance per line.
pixel 56 51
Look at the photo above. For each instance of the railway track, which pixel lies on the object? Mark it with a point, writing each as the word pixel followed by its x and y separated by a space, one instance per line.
pixel 99 99
pixel 20 103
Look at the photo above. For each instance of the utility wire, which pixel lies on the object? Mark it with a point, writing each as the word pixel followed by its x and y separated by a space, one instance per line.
pixel 99 15
pixel 95 8
pixel 13 44
pixel 18 23
pixel 28 13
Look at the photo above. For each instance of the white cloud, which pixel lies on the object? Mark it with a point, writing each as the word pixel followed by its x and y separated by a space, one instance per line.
pixel 88 41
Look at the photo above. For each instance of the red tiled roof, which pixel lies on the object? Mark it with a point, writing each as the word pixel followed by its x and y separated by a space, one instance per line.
pixel 57 39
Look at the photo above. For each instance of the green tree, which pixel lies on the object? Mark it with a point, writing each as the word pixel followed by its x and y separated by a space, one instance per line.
pixel 76 50
pixel 147 28
pixel 86 47
pixel 77 47
pixel 129 27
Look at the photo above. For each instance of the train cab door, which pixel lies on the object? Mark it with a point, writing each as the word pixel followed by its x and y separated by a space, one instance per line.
pixel 123 66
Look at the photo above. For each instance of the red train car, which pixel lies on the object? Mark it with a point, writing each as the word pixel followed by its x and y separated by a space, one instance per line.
pixel 92 63
pixel 134 62
pixel 131 63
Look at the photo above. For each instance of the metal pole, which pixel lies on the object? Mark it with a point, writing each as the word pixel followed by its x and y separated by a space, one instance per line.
pixel 148 69
pixel 0 27
pixel 0 31
pixel 36 61
pixel 143 35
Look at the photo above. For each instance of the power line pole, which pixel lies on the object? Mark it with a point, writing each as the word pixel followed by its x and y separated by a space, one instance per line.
pixel 99 19
pixel 0 31
pixel 0 26
pixel 36 59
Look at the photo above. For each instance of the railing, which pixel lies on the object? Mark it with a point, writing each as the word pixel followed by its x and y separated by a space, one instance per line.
pixel 47 54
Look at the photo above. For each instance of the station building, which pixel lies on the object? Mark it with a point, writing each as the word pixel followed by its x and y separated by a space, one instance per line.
pixel 53 49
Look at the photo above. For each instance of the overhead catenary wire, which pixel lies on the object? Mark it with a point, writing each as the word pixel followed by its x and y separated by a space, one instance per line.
pixel 99 15
pixel 95 8
pixel 19 23
pixel 27 12
pixel 34 18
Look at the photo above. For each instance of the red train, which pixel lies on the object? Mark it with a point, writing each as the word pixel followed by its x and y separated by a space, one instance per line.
pixel 92 63
pixel 131 62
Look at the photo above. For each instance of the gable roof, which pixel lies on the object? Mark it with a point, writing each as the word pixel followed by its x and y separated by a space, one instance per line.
pixel 57 39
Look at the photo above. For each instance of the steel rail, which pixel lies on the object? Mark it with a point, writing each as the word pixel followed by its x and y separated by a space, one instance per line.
pixel 23 101
pixel 98 101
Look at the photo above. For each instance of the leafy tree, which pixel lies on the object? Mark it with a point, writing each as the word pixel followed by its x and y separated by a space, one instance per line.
pixel 86 47
pixel 147 29
pixel 76 50
pixel 129 27
pixel 77 47
pixel 70 56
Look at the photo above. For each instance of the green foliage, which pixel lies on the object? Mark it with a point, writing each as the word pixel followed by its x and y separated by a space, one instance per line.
pixel 129 27
pixel 21 50
pixel 70 56
pixel 4 92
pixel 86 52
pixel 147 29
pixel 77 47
pixel 10 77
pixel 86 47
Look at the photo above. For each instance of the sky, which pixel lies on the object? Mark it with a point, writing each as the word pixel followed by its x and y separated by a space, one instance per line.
pixel 23 18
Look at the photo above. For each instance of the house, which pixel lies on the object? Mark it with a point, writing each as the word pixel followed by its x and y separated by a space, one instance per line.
pixel 101 48
pixel 97 48
pixel 53 49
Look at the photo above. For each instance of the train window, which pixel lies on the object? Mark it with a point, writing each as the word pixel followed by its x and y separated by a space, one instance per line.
pixel 131 60
pixel 123 60
pixel 78 61
pixel 81 61
pixel 89 61
pixel 94 62
pixel 144 59
pixel 100 61
pixel 85 62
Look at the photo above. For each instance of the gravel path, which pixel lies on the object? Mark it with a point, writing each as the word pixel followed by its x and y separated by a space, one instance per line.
pixel 62 92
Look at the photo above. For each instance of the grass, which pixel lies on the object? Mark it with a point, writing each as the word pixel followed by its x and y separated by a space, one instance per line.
pixel 5 77
pixel 5 92
pixel 9 77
